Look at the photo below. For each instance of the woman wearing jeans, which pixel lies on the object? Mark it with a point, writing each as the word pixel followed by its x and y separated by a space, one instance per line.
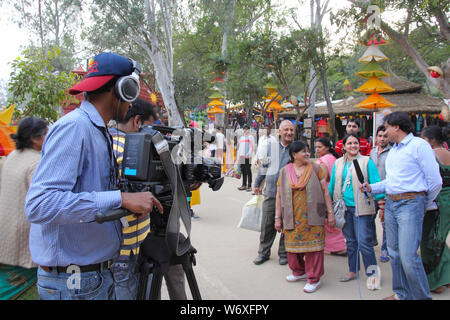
pixel 344 184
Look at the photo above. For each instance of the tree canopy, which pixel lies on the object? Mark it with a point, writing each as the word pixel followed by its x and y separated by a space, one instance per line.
pixel 181 43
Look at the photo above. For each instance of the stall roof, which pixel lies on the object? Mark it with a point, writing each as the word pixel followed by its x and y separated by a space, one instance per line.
pixel 407 97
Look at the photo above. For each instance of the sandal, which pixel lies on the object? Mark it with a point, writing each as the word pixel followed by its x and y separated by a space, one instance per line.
pixel 342 253
pixel 438 290
pixel 346 278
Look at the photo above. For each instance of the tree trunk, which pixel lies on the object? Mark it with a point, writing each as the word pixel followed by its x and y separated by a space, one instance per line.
pixel 163 64
pixel 443 23
pixel 167 88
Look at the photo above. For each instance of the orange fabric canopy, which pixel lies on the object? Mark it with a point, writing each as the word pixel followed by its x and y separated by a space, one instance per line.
pixel 216 102
pixel 374 101
pixel 215 110
pixel 274 106
pixel 374 84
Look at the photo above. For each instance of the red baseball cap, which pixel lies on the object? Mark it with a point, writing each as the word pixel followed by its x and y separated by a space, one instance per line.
pixel 103 68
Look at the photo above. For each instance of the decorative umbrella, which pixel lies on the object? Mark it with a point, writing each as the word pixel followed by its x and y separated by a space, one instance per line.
pixel 215 110
pixel 237 106
pixel 270 88
pixel 372 69
pixel 216 95
pixel 375 85
pixel 215 103
pixel 259 118
pixel 374 101
pixel 373 52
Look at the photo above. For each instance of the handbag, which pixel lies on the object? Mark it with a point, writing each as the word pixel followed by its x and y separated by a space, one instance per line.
pixel 339 209
pixel 252 214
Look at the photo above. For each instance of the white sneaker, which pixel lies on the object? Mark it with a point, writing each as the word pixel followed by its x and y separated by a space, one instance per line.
pixel 312 287
pixel 373 283
pixel 292 278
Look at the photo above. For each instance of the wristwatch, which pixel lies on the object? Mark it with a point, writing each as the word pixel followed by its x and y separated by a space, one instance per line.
pixel 277 217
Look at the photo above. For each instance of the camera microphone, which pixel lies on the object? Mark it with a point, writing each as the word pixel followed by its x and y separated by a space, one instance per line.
pixel 360 178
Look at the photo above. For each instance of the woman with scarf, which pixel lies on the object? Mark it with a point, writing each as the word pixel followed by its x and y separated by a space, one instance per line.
pixel 344 184
pixel 302 204
pixel 334 239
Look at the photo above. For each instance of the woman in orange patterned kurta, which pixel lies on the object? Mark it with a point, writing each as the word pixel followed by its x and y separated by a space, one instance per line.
pixel 304 238
pixel 304 235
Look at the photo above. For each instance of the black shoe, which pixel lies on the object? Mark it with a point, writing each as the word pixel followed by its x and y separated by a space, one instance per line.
pixel 260 260
pixel 283 261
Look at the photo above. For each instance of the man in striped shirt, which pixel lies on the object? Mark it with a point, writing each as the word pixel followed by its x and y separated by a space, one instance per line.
pixel 353 127
pixel 135 229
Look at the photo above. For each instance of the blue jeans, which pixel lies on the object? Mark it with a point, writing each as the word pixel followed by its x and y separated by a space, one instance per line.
pixel 126 278
pixel 404 220
pixel 374 228
pixel 363 238
pixel 95 285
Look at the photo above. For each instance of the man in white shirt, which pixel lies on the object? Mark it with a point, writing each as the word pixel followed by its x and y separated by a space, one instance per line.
pixel 411 185
pixel 263 143
pixel 219 142
pixel 246 148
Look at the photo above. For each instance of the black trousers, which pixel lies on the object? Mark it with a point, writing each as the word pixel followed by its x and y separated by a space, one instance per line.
pixel 268 231
pixel 246 168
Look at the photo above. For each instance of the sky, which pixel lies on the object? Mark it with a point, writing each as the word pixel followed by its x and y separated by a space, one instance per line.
pixel 12 37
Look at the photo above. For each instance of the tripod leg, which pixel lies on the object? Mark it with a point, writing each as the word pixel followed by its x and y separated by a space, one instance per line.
pixel 155 288
pixel 190 276
pixel 146 269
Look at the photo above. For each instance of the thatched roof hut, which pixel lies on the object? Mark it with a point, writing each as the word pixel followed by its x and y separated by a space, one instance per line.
pixel 407 97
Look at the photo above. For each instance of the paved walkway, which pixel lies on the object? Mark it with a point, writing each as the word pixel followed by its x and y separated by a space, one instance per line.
pixel 225 269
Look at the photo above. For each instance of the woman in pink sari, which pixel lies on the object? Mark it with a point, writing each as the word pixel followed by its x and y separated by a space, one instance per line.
pixel 334 239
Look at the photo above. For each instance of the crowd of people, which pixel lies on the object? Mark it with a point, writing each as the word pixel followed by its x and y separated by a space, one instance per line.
pixel 50 193
pixel 404 181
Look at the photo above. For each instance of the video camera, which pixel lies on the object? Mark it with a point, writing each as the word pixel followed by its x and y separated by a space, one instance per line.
pixel 143 169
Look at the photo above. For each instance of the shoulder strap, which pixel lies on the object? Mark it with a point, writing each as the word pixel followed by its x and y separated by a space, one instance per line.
pixel 180 208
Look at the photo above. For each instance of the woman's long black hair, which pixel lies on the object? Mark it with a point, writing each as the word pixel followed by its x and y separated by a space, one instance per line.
pixel 29 127
pixel 327 143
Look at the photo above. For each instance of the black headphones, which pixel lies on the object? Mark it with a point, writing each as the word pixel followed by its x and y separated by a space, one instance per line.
pixel 127 88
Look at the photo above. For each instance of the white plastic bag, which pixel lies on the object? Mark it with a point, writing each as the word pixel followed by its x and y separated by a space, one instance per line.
pixel 252 214
pixel 339 209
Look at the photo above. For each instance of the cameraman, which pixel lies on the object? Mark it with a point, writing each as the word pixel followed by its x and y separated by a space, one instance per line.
pixel 73 183
pixel 135 230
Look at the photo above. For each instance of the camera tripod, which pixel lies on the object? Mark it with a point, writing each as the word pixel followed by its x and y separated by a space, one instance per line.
pixel 155 259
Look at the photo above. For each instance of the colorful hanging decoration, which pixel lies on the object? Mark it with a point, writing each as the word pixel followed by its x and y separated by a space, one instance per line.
pixel 374 84
pixel 373 72
pixel 373 37
pixel 435 72
pixel 374 101
pixel 372 69
pixel 215 110
pixel 7 144
pixel 215 103
pixel 373 52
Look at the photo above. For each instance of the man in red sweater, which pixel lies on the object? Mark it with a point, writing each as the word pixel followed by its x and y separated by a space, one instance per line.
pixel 353 127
